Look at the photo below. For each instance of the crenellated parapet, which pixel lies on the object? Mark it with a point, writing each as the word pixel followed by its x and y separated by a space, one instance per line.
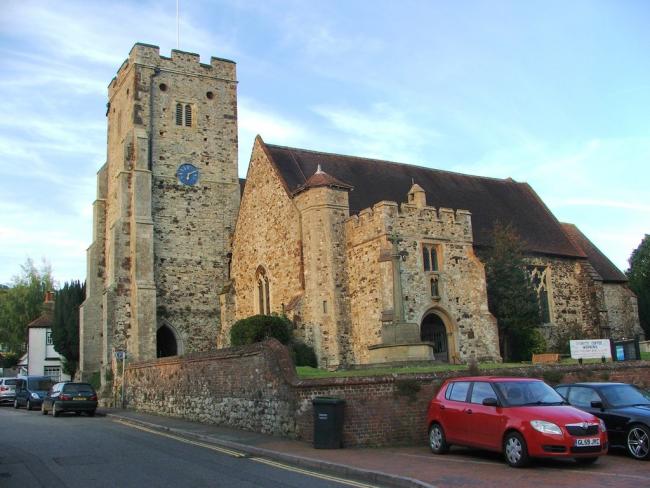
pixel 386 217
pixel 189 64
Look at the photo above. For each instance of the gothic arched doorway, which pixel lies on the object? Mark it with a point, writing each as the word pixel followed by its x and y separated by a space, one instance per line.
pixel 433 330
pixel 166 344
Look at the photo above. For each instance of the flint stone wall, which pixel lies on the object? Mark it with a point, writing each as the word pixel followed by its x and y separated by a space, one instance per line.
pixel 255 388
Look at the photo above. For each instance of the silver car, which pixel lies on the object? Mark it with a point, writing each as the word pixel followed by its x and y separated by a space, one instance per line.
pixel 7 390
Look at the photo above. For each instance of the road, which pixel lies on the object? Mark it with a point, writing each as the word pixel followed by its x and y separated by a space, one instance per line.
pixel 82 452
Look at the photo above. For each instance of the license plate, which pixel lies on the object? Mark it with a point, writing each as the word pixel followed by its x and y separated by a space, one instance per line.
pixel 587 442
pixel 79 398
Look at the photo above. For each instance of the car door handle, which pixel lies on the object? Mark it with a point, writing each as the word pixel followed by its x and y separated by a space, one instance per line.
pixel 469 410
pixel 442 407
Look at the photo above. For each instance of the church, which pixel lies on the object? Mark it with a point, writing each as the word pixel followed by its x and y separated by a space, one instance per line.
pixel 373 261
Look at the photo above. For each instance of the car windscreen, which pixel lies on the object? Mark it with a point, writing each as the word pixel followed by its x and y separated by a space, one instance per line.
pixel 10 382
pixel 40 384
pixel 78 388
pixel 520 393
pixel 625 395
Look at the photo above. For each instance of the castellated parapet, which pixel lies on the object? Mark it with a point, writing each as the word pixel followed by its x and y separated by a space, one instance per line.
pixel 459 296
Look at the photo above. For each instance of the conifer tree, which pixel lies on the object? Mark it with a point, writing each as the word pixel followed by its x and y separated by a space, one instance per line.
pixel 511 296
pixel 65 326
pixel 639 276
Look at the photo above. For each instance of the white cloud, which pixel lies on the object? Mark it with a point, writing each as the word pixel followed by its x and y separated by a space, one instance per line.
pixel 381 131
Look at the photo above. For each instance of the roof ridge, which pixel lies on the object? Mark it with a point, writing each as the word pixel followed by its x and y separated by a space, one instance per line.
pixel 312 151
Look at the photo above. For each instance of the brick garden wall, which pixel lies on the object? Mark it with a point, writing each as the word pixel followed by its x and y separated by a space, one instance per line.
pixel 255 388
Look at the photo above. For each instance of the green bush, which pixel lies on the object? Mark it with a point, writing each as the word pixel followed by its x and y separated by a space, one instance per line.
pixel 260 327
pixel 525 342
pixel 303 355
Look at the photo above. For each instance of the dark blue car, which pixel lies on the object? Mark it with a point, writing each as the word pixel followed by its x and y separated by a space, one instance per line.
pixel 624 408
pixel 30 391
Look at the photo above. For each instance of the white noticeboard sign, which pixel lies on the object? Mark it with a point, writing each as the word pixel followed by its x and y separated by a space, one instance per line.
pixel 590 349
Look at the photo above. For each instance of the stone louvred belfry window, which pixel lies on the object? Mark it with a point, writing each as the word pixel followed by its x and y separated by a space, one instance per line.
pixel 263 292
pixel 539 277
pixel 188 115
pixel 184 114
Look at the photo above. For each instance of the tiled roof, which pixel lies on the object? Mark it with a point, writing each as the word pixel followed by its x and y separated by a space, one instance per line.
pixel 488 199
pixel 603 266
pixel 45 320
pixel 321 178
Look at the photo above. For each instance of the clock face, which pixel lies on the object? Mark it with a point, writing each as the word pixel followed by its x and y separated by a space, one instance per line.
pixel 188 174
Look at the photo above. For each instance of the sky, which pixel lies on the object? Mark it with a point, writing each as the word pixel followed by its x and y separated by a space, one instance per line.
pixel 553 93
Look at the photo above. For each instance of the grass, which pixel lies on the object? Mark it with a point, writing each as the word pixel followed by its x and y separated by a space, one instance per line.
pixel 645 356
pixel 306 372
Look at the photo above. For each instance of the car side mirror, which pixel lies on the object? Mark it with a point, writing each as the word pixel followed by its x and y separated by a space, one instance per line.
pixel 490 402
pixel 596 404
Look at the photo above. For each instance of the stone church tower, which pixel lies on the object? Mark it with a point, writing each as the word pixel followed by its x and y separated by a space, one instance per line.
pixel 167 201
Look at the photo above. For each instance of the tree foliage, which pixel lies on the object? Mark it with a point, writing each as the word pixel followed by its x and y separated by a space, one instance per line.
pixel 260 327
pixel 65 326
pixel 511 296
pixel 21 303
pixel 639 276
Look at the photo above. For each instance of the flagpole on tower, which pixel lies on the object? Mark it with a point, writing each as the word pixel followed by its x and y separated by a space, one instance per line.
pixel 178 25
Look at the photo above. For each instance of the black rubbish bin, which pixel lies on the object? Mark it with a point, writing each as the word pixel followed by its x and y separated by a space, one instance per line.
pixel 328 422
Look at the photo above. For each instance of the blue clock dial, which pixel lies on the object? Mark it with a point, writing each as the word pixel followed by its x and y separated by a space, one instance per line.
pixel 188 174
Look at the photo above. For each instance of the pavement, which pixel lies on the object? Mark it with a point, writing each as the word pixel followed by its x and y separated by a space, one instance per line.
pixel 381 466
pixel 409 466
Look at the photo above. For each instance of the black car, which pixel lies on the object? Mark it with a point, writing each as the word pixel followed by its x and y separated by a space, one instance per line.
pixel 68 396
pixel 624 408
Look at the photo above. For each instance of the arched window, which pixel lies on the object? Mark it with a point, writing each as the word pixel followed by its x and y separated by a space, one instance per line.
pixel 539 277
pixel 263 292
pixel 179 114
pixel 430 257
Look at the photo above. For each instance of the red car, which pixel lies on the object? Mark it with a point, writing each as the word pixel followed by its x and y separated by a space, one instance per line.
pixel 521 417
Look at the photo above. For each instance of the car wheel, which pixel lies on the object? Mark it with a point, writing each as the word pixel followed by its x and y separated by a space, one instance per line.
pixel 55 411
pixel 91 413
pixel 16 404
pixel 29 405
pixel 638 441
pixel 43 411
pixel 587 460
pixel 437 441
pixel 515 450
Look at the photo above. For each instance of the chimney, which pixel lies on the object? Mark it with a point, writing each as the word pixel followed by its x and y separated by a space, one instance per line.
pixel 48 304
